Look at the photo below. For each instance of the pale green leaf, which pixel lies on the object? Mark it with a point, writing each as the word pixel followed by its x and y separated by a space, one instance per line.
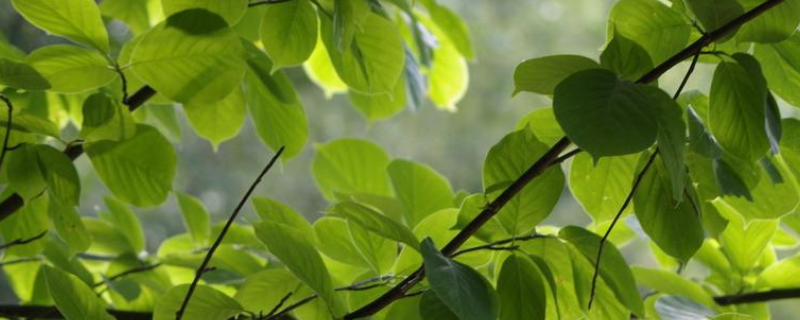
pixel 73 298
pixel 542 75
pixel 78 20
pixel 289 32
pixel 420 189
pixel 195 217
pixel 135 13
pixel 348 17
pixel 106 119
pixel 21 75
pixel 320 70
pixel 276 212
pixel 70 68
pixel 69 226
pixel 126 223
pixel 376 222
pixel 30 221
pixel 781 67
pixel 263 290
pixel 139 170
pixel 657 28
pixel 781 275
pixel 230 10
pixel 543 124
pixel 207 303
pixel 350 166
pixel 670 283
pixel 218 121
pixel 601 186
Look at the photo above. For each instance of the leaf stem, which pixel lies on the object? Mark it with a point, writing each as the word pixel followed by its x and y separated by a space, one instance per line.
pixel 10 108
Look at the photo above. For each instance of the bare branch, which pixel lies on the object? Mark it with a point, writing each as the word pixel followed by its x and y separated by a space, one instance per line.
pixel 23 241
pixel 204 265
pixel 753 297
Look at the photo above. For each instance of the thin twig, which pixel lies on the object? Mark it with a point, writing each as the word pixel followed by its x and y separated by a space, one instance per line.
pixel 753 297
pixel 279 305
pixel 22 241
pixel 127 273
pixel 625 204
pixel 124 83
pixel 204 265
pixel 10 108
pixel 497 244
pixel 20 260
pixel 567 156
pixel 258 3
pixel 687 76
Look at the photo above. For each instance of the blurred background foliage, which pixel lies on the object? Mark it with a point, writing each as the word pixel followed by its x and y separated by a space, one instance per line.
pixel 455 143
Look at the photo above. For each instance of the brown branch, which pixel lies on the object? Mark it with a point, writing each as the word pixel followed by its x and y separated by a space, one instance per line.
pixel 22 241
pixel 753 297
pixel 51 312
pixel 204 265
pixel 11 204
pixel 10 108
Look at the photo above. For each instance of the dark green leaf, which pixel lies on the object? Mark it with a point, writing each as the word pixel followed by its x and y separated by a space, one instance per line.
pixel 659 29
pixel 521 290
pixel 21 75
pixel 542 75
pixel 626 58
pixel 73 298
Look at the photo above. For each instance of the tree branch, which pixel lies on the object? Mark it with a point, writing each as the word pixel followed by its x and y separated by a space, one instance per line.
pixel 10 108
pixel 754 297
pixel 51 312
pixel 127 273
pixel 22 241
pixel 545 161
pixel 497 245
pixel 262 2
pixel 204 265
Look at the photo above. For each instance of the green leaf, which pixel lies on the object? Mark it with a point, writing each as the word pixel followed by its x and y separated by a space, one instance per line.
pixel 543 124
pixel 230 10
pixel 21 75
pixel 126 223
pixel 195 217
pixel 289 32
pixel 744 244
pixel 781 67
pixel 676 307
pixel 506 161
pixel 448 77
pixel 135 13
pixel 373 221
pixel 30 221
pixel 604 115
pixel 207 303
pixel 601 186
pixel 775 25
pixel 542 75
pixel 780 274
pixel 715 13
pixel 460 288
pixel 191 57
pixel 298 254
pixel 32 168
pixel 736 111
pixel 674 226
pixel 105 119
pixel 78 20
pixel 380 106
pixel 432 308
pixel 276 212
pixel 263 290
pixel 613 268
pixel 420 189
pixel 274 105
pixel 350 166
pixel 70 68
pixel 768 200
pixel 218 121
pixel 69 226
pixel 453 27
pixel 671 138
pixel 73 298
pixel 657 28
pixel 320 70
pixel 348 17
pixel 521 289
pixel 626 58
pixel 139 170
pixel 374 62
pixel 335 242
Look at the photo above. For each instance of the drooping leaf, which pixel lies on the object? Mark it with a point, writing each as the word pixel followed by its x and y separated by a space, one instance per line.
pixel 139 170
pixel 32 168
pixel 715 13
pixel 521 290
pixel 462 289
pixel 544 125
pixel 613 268
pixel 218 121
pixel 289 32
pixel 348 17
pixel 671 138
pixel 601 186
pixel 737 108
pixel 73 298
pixel 126 223
pixel 135 13
pixel 454 28
pixel 657 28
pixel 448 77
pixel 335 242
pixel 744 244
pixel 21 75
pixel 781 67
pixel 298 254
pixel 320 70
pixel 207 303
pixel 674 226
pixel 779 275
pixel 78 20
pixel 768 199
pixel 420 189
pixel 274 105
pixel 542 75
pixel 432 308
pixel 195 217
pixel 105 119
pixel 230 10
pixel 30 221
pixel 626 58
pixel 506 162
pixel 276 212
pixel 350 166
pixel 382 105
pixel 263 290
pixel 191 57
pixel 71 68
pixel 604 115
pixel 69 226
pixel 376 222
